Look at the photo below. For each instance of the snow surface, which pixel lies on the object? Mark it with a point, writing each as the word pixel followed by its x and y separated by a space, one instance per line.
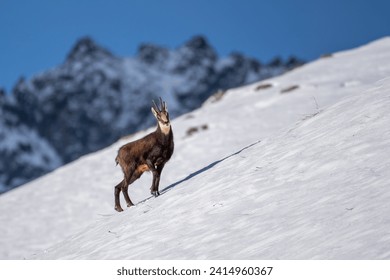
pixel 295 175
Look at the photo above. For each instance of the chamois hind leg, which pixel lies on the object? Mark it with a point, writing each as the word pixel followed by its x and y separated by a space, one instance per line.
pixel 118 189
pixel 129 180
pixel 125 192
pixel 127 197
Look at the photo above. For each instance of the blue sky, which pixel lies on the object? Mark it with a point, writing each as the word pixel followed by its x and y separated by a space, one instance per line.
pixel 37 35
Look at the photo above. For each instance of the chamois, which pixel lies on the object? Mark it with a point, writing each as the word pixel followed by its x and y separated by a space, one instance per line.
pixel 149 153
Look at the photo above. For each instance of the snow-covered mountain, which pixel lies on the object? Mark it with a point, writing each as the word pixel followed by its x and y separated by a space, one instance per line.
pixel 24 152
pixel 95 97
pixel 294 167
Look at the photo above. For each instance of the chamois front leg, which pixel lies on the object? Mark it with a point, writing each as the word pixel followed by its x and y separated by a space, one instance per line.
pixel 156 180
pixel 154 188
pixel 156 171
pixel 156 184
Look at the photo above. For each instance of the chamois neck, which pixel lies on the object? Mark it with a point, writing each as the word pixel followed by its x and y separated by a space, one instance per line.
pixel 164 129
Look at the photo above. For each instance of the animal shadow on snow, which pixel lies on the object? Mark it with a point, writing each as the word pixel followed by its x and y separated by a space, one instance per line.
pixel 200 171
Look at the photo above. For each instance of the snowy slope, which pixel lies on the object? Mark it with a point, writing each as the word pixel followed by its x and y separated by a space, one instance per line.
pixel 300 174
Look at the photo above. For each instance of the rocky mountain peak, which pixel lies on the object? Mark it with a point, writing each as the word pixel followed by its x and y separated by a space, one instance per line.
pixel 196 52
pixel 198 42
pixel 87 47
pixel 151 54
pixel 201 47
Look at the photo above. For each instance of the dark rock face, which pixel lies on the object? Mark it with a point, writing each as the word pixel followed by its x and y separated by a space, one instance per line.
pixel 94 98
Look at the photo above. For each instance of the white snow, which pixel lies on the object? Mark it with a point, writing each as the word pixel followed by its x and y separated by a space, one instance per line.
pixel 298 175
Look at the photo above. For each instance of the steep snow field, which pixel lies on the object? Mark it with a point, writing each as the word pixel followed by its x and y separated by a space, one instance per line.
pixel 295 167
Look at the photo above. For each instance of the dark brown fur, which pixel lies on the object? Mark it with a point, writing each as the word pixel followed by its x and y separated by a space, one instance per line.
pixel 149 153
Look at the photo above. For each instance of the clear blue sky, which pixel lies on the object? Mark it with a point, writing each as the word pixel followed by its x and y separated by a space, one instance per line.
pixel 36 35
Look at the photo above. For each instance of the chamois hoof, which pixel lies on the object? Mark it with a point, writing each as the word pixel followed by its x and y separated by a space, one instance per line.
pixel 130 204
pixel 156 193
pixel 118 208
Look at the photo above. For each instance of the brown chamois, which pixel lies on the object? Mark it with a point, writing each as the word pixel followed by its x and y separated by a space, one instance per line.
pixel 149 153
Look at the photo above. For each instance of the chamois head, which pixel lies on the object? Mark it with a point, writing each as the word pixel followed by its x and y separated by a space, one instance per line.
pixel 162 115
